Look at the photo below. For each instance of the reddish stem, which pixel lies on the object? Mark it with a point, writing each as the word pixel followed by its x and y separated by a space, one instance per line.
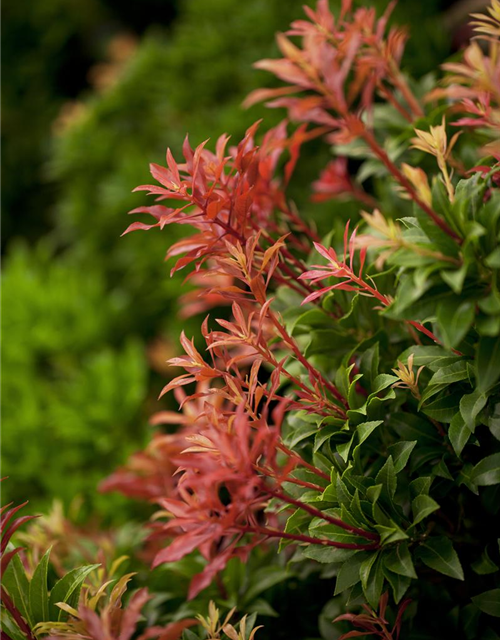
pixel 303 463
pixel 324 516
pixel 385 93
pixel 382 155
pixel 301 224
pixel 272 533
pixel 316 374
pixel 300 483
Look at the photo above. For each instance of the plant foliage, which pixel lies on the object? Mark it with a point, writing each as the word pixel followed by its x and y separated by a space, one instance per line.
pixel 341 424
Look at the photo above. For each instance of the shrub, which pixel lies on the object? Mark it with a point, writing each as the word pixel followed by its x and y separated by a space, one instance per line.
pixel 347 407
pixel 145 101
pixel 370 415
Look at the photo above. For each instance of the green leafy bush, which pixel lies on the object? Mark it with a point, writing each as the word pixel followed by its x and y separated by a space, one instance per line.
pixel 372 414
pixel 63 401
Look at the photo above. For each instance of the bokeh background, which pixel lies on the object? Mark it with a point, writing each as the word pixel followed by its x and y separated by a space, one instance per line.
pixel 94 90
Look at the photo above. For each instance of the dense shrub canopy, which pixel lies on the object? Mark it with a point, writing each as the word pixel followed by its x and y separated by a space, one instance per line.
pixel 337 430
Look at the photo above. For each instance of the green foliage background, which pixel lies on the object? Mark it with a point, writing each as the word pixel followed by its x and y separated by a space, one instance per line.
pixel 81 306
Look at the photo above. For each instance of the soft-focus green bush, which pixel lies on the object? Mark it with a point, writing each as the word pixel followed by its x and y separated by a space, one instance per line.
pixel 71 391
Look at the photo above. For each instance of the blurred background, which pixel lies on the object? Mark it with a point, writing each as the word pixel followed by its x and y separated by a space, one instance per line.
pixel 94 90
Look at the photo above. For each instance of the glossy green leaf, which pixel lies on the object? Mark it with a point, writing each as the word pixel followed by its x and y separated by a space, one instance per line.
pixel 443 409
pixel 372 579
pixel 470 406
pixel 38 591
pixel 455 318
pixel 348 574
pixel 399 561
pixel 487 471
pixel 414 427
pixel 458 433
pixel 484 565
pixel 488 602
pixel 400 453
pixel 439 554
pixel 263 579
pixel 454 372
pixel 399 584
pixel 420 486
pixel 487 363
pixel 422 506
pixel 432 356
pixel 493 421
pixel 387 478
pixel 14 579
pixel 327 554
pixel 67 589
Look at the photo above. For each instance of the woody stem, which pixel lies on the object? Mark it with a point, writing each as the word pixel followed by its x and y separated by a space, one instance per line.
pixel 302 462
pixel 321 514
pixel 370 140
pixel 274 533
pixel 313 372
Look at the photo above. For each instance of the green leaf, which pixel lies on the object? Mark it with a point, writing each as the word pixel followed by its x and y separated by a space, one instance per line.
pixel 294 524
pixel 420 486
pixel 372 579
pixel 455 319
pixel 487 363
pixel 373 493
pixel 422 506
pixel 67 589
pixel 493 260
pixel 368 365
pixel 327 554
pixel 364 430
pixel 458 433
pixel 441 470
pixel 342 379
pixel 432 357
pixel 349 572
pixel 469 619
pixel 382 381
pixel 14 579
pixel 301 429
pixel 387 478
pixel 443 409
pixel 400 453
pixel 470 406
pixel 399 561
pixel 38 591
pixel 465 477
pixel 344 448
pixel 439 554
pixel 487 471
pixel 391 533
pixel 484 565
pixel 451 373
pixel 262 608
pixel 399 584
pixel 414 427
pixel 263 579
pixel 455 278
pixel 488 602
pixel 494 422
pixel 429 392
pixel 325 432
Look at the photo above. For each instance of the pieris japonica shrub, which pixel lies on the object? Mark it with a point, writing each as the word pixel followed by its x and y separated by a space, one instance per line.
pixel 349 407
pixel 343 414
pixel 151 95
